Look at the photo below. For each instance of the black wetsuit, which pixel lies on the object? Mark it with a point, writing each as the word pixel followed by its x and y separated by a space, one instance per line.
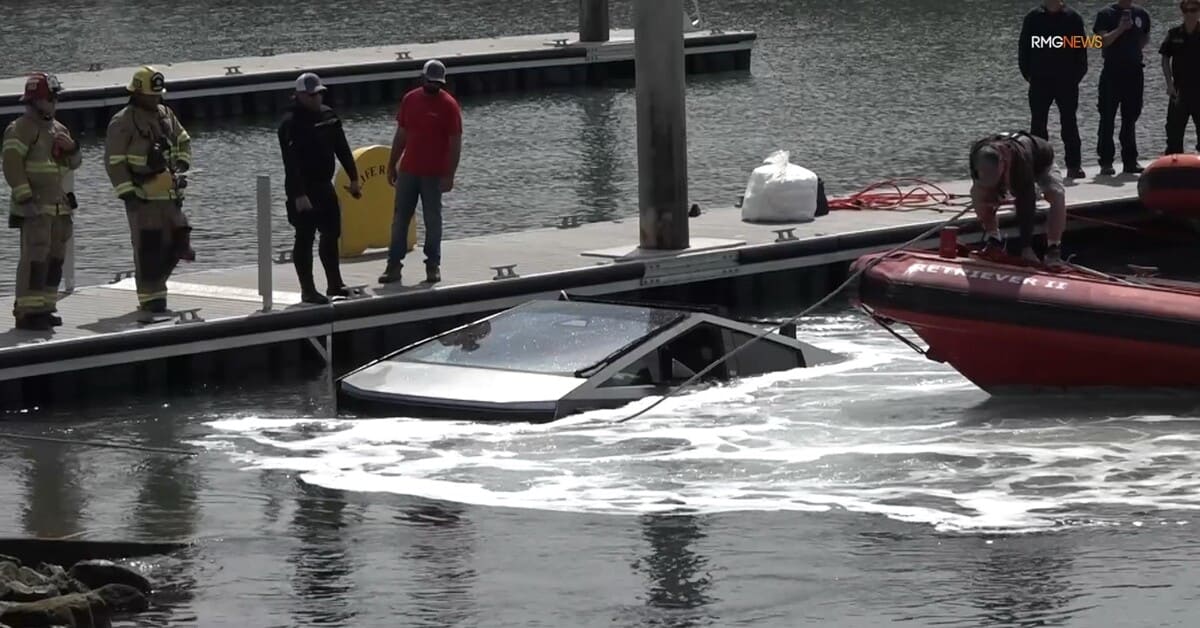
pixel 309 141
pixel 1054 75
pixel 1031 162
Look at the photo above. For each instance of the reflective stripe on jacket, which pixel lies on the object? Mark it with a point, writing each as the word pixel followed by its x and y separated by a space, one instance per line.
pixel 35 176
pixel 128 147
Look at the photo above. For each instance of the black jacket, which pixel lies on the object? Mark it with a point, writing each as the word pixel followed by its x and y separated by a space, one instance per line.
pixel 1032 158
pixel 309 142
pixel 1055 64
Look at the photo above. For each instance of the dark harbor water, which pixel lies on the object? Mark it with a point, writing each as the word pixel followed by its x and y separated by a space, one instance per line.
pixel 883 490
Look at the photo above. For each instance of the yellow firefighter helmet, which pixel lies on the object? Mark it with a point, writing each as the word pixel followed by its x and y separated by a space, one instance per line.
pixel 147 80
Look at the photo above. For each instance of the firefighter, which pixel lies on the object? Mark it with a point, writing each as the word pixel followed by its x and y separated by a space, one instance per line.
pixel 38 153
pixel 147 152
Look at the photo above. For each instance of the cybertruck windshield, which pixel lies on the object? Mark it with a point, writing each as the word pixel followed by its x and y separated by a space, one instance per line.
pixel 552 337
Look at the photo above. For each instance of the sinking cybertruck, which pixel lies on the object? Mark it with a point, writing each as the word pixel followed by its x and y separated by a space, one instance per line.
pixel 544 360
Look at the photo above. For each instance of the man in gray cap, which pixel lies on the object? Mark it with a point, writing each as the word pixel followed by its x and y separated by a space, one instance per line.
pixel 424 160
pixel 310 135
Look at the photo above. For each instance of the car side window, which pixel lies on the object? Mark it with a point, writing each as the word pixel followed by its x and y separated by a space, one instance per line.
pixel 677 361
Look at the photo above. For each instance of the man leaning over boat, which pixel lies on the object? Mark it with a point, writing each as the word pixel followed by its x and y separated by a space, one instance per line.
pixel 1020 165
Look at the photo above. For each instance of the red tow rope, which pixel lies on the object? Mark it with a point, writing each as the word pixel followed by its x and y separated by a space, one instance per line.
pixel 924 195
pixel 929 196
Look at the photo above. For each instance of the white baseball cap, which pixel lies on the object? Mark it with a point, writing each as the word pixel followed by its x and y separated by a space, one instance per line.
pixel 309 83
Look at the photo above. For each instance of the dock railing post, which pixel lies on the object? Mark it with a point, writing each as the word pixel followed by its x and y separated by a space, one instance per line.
pixel 661 124
pixel 593 21
pixel 264 242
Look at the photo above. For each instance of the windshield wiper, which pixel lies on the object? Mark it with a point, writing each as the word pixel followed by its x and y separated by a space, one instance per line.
pixel 587 371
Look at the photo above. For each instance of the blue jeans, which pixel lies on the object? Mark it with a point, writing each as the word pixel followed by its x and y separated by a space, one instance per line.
pixel 409 188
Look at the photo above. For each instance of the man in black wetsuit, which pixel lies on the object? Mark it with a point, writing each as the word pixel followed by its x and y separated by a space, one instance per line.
pixel 1054 74
pixel 1019 164
pixel 310 135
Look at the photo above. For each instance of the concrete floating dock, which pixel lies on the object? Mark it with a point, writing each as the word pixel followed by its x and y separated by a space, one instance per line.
pixel 102 347
pixel 363 76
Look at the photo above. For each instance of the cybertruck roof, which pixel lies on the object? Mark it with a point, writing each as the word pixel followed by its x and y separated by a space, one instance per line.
pixel 545 359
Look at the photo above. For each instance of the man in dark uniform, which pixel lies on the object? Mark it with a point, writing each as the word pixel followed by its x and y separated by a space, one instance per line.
pixel 1181 68
pixel 1054 75
pixel 1017 164
pixel 310 135
pixel 1125 28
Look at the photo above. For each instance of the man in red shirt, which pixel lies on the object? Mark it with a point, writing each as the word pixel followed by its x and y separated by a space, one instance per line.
pixel 423 163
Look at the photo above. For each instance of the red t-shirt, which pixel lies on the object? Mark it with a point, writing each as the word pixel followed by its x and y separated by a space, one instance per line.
pixel 429 121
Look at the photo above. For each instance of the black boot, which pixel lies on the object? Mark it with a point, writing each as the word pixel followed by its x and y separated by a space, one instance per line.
pixel 301 258
pixel 328 250
pixel 33 322
pixel 390 274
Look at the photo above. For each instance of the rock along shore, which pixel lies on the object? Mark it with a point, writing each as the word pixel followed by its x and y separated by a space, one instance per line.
pixel 88 595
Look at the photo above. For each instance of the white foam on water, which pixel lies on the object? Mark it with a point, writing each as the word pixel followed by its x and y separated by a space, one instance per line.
pixel 884 433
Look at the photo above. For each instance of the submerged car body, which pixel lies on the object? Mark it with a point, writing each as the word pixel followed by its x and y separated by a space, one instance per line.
pixel 544 360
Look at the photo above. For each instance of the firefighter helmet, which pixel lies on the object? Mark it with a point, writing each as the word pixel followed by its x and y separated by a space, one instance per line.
pixel 147 80
pixel 41 86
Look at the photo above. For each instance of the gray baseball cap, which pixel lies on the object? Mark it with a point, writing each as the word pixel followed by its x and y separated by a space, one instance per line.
pixel 434 71
pixel 309 83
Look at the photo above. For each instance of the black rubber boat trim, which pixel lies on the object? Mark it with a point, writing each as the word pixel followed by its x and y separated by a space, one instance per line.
pixel 1168 178
pixel 954 304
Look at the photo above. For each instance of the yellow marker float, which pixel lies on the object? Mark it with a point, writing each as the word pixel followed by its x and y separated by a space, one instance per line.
pixel 367 221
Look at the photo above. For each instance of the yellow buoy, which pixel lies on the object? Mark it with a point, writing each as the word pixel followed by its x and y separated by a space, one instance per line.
pixel 367 221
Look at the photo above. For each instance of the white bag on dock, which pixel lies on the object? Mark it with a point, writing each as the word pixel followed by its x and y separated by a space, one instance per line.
pixel 780 191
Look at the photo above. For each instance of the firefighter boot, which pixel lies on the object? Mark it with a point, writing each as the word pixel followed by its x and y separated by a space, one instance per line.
pixel 34 322
pixel 54 272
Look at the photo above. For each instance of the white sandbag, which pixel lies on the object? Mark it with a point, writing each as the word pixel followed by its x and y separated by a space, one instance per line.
pixel 780 191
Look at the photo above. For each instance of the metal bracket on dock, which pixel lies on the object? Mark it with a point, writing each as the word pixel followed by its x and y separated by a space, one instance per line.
pixel 558 43
pixel 124 274
pixel 691 268
pixel 402 55
pixel 569 222
pixel 321 351
pixel 183 317
pixel 357 292
pixel 233 69
pixel 283 256
pixel 785 235
pixel 715 31
pixel 504 272
pixel 95 67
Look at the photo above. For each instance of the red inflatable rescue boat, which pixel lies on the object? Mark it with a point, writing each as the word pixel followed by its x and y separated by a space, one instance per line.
pixel 1010 328
pixel 1171 185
